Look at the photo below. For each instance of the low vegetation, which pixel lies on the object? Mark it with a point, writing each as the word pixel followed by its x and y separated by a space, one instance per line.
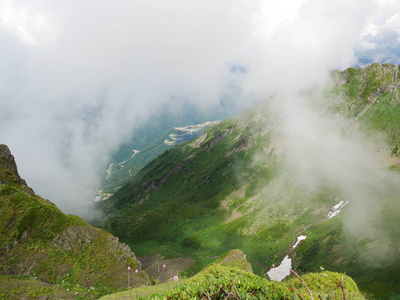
pixel 202 198
pixel 224 281
pixel 38 241
pixel 230 192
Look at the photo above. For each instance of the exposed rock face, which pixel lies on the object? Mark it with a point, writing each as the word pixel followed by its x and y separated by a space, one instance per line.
pixel 387 73
pixel 7 159
pixel 8 170
pixel 235 259
pixel 373 80
pixel 82 236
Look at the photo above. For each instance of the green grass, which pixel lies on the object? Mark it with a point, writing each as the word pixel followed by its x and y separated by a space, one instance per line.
pixel 149 139
pixel 326 246
pixel 38 240
pixel 384 117
pixel 24 287
pixel 218 282
pixel 181 208
pixel 231 193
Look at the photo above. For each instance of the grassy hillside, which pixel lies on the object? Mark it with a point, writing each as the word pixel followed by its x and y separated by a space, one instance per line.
pixel 149 139
pixel 119 173
pixel 38 240
pixel 208 196
pixel 372 98
pixel 230 278
pixel 227 189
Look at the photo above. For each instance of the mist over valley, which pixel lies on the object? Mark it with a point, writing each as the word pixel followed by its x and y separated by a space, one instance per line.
pixel 217 149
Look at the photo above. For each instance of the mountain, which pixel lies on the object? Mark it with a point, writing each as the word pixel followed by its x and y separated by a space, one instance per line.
pixel 45 253
pixel 372 95
pixel 233 188
pixel 119 173
pixel 167 127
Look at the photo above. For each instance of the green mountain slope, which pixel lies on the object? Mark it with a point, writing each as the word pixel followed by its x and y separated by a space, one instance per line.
pixel 38 240
pixel 372 97
pixel 119 173
pixel 231 277
pixel 208 196
pixel 230 188
pixel 148 140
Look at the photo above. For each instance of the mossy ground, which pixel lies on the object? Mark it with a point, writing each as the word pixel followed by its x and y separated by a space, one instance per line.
pixel 222 282
pixel 18 287
pixel 13 287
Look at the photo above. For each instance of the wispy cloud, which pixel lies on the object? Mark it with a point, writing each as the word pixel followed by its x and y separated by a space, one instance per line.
pixel 76 77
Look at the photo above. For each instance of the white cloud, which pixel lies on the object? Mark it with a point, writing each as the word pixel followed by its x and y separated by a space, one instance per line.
pixel 393 24
pixel 370 29
pixel 381 33
pixel 274 15
pixel 103 66
pixel 29 23
pixel 368 45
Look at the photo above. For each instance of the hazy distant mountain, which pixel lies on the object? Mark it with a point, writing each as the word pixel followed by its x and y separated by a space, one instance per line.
pixel 120 173
pixel 165 130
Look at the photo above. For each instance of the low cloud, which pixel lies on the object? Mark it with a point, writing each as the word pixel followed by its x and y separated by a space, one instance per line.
pixel 78 77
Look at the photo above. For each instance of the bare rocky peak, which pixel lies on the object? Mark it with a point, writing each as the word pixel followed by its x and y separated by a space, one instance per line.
pixel 7 159
pixel 385 74
pixel 9 172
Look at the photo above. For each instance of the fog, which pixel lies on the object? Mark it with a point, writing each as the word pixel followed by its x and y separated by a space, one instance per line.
pixel 77 77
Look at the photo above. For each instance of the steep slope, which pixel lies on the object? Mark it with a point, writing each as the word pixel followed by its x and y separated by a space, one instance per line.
pixel 230 188
pixel 38 240
pixel 152 138
pixel 372 97
pixel 219 192
pixel 119 173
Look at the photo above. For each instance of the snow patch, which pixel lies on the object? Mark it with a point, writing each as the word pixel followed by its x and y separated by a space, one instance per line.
pixel 134 153
pixel 196 127
pixel 336 209
pixel 282 271
pixel 187 130
pixel 299 239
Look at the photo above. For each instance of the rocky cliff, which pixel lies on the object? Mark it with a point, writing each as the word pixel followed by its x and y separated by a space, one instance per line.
pixel 38 240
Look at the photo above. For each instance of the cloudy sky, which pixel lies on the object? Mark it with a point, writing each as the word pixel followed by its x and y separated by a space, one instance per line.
pixel 77 76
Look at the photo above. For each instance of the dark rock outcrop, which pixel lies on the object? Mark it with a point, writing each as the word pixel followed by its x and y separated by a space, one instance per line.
pixel 9 172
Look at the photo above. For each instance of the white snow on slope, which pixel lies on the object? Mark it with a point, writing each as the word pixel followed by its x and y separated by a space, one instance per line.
pixel 299 239
pixel 183 131
pixel 282 271
pixel 336 209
